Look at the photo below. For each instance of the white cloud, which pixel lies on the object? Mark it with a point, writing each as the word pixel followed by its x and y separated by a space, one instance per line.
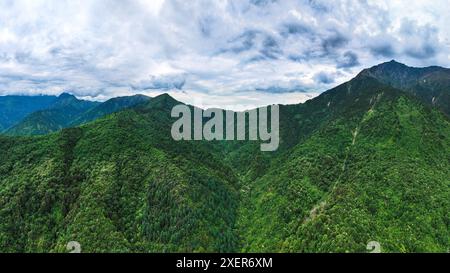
pixel 226 51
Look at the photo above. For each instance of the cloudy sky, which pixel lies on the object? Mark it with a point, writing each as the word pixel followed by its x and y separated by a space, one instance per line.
pixel 233 54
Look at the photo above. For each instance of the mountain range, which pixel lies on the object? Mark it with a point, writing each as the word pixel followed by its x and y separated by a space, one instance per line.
pixel 366 161
pixel 15 108
pixel 60 112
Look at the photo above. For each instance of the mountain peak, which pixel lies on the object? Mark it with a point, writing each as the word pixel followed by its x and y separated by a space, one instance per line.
pixel 136 97
pixel 166 98
pixel 399 75
pixel 393 64
pixel 163 101
pixel 64 100
pixel 66 96
pixel 430 84
pixel 387 67
pixel 393 61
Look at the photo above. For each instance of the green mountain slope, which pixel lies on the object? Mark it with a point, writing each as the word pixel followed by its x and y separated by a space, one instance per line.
pixel 118 184
pixel 378 170
pixel 15 108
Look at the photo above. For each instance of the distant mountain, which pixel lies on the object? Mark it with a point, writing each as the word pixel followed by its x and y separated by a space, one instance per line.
pixel 109 107
pixel 15 108
pixel 59 115
pixel 68 111
pixel 365 161
pixel 430 84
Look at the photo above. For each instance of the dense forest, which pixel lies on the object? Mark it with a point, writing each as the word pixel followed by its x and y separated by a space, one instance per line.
pixel 366 161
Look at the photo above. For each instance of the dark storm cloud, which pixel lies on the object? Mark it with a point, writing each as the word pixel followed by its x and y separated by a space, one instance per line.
pixel 206 26
pixel 383 50
pixel 324 78
pixel 260 46
pixel 262 3
pixel 348 60
pixel 319 6
pixel 334 41
pixel 270 48
pixel 295 29
pixel 241 43
pixel 425 51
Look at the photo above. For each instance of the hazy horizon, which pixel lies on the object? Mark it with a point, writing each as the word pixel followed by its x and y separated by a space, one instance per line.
pixel 215 53
pixel 201 103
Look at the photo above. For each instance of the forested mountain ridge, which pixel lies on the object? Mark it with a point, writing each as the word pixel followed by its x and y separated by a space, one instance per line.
pixel 54 118
pixel 109 107
pixel 68 111
pixel 362 162
pixel 15 108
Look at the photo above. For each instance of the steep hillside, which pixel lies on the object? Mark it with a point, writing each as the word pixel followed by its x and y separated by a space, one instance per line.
pixel 378 170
